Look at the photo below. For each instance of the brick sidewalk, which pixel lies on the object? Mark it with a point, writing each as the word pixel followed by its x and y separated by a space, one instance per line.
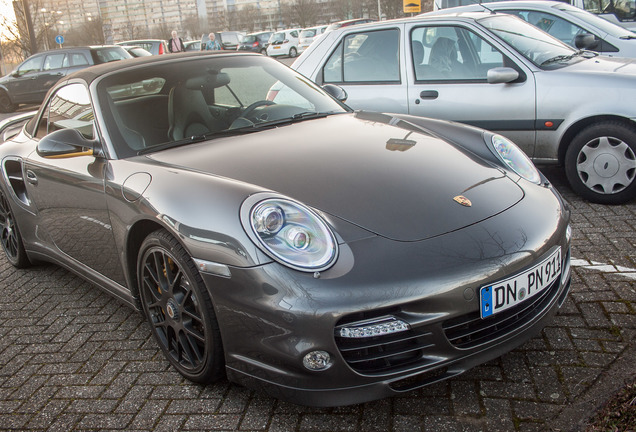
pixel 73 358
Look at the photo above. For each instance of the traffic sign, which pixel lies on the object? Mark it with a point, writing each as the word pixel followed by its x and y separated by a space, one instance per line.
pixel 412 6
pixel 59 39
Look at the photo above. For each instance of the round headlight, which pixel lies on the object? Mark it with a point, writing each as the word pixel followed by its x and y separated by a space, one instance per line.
pixel 516 159
pixel 293 234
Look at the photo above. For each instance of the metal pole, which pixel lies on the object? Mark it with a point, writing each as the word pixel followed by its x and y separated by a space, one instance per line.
pixel 379 11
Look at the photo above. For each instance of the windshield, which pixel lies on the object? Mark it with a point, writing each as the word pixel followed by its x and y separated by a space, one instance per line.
pixel 596 21
pixel 308 33
pixel 160 105
pixel 248 39
pixel 531 42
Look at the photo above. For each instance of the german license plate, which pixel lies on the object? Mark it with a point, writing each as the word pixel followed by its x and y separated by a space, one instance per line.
pixel 510 292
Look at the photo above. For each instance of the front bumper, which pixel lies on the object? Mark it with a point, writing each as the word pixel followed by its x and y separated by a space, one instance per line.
pixel 271 317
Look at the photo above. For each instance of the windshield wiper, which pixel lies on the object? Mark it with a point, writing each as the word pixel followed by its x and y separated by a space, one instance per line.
pixel 196 139
pixel 560 58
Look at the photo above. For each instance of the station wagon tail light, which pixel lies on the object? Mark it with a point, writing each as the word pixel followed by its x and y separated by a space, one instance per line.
pixel 515 159
pixel 161 49
pixel 293 234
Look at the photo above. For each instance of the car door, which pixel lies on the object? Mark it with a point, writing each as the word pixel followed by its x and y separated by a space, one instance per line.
pixel 22 85
pixel 54 67
pixel 69 193
pixel 368 65
pixel 448 71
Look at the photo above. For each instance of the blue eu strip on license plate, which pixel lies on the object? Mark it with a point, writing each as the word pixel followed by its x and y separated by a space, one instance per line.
pixel 510 292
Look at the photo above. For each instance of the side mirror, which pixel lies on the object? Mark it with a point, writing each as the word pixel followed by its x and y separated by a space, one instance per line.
pixel 585 41
pixel 336 92
pixel 67 143
pixel 501 75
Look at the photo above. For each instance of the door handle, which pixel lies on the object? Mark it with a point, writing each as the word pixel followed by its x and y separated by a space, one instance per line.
pixel 429 94
pixel 31 177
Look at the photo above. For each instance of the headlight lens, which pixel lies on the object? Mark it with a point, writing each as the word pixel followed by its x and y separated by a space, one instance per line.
pixel 515 158
pixel 293 234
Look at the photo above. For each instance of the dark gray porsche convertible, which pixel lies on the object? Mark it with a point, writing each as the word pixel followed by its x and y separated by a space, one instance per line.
pixel 327 256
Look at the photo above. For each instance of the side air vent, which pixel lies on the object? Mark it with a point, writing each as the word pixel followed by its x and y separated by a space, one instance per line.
pixel 13 172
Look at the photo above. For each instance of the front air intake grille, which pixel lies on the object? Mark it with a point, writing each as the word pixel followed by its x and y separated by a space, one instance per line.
pixel 384 353
pixel 470 330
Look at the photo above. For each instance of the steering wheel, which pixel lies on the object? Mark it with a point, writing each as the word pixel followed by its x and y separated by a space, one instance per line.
pixel 253 106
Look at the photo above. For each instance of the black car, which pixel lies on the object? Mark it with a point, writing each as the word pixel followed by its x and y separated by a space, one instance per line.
pixel 326 255
pixel 255 42
pixel 30 81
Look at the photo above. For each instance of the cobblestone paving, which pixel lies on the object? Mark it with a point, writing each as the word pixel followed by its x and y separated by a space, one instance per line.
pixel 72 358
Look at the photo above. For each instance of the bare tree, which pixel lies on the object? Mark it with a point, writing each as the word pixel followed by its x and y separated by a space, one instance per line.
pixel 90 32
pixel 191 25
pixel 160 31
pixel 304 13
pixel 249 18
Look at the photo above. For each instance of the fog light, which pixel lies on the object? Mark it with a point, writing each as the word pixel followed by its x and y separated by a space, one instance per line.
pixel 317 360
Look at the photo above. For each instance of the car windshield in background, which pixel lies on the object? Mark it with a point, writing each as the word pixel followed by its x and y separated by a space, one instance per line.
pixel 248 39
pixel 205 97
pixel 537 46
pixel 595 20
pixel 109 54
pixel 277 38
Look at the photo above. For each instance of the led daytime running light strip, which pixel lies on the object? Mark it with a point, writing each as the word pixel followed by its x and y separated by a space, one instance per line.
pixel 389 326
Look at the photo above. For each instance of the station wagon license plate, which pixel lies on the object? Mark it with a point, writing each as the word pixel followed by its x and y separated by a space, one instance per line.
pixel 510 292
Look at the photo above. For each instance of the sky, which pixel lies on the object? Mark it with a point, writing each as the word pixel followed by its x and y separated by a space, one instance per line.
pixel 6 9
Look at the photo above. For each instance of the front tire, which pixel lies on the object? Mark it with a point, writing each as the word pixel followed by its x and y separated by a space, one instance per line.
pixel 178 308
pixel 600 163
pixel 6 106
pixel 10 237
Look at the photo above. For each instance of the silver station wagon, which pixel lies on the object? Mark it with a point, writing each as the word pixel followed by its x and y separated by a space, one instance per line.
pixel 498 72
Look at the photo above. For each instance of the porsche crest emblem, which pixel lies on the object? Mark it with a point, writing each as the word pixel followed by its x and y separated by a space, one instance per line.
pixel 461 199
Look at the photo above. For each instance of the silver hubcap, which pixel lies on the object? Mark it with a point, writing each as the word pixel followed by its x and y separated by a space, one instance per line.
pixel 606 165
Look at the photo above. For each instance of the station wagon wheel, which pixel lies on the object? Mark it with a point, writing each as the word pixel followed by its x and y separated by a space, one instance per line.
pixel 292 52
pixel 10 236
pixel 177 306
pixel 600 163
pixel 6 106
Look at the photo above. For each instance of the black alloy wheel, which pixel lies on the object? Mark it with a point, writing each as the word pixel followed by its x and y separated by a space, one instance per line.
pixel 178 308
pixel 10 236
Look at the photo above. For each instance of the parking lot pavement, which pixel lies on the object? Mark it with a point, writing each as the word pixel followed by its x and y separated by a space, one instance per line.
pixel 73 358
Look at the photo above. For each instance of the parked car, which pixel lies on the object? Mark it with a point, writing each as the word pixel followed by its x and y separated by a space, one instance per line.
pixel 347 23
pixel 308 35
pixel 327 256
pixel 229 40
pixel 29 82
pixel 153 46
pixel 255 42
pixel 571 25
pixel 136 51
pixel 498 72
pixel 194 45
pixel 284 43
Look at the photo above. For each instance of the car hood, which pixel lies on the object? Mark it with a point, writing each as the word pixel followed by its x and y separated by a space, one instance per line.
pixel 604 65
pixel 396 182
